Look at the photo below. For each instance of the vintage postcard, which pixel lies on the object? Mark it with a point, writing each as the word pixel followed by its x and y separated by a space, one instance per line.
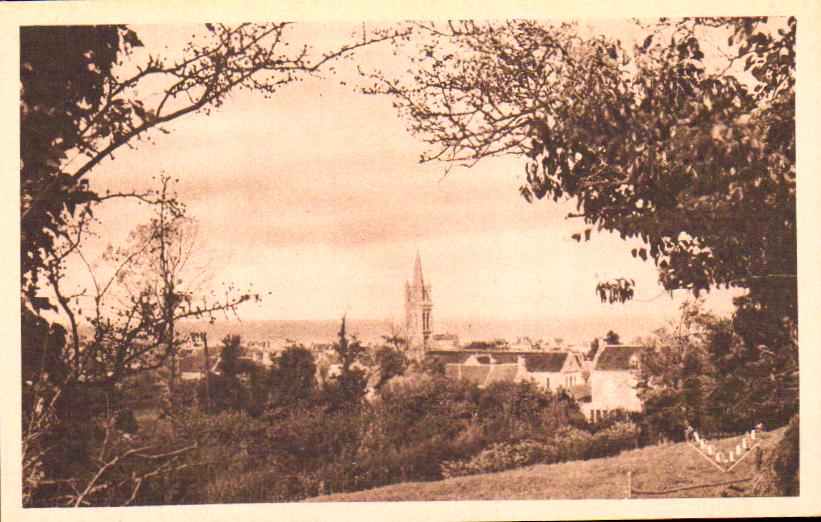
pixel 346 261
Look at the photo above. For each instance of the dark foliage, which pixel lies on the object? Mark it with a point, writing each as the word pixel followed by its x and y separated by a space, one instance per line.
pixel 293 377
pixel 391 362
pixel 347 388
pixel 786 462
pixel 702 374
pixel 594 349
pixel 649 141
pixel 612 338
pixel 230 352
pixel 779 472
pixel 63 73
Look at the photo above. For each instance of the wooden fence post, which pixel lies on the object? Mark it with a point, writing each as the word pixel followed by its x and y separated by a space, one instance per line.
pixel 629 484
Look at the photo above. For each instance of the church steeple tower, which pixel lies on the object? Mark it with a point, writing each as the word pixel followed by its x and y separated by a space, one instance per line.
pixel 418 306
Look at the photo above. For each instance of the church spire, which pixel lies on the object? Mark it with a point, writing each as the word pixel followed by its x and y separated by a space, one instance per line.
pixel 418 281
pixel 418 305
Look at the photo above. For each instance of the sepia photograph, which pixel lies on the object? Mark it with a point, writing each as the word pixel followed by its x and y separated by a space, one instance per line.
pixel 472 259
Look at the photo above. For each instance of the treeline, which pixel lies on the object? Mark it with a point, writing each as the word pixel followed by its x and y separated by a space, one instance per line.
pixel 701 373
pixel 247 433
pixel 250 433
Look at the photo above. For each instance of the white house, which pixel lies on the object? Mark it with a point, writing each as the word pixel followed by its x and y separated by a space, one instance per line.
pixel 613 381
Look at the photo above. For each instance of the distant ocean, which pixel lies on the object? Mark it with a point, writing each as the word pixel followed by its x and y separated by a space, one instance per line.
pixel 578 330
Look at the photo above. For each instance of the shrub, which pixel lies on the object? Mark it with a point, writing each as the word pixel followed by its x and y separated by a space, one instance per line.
pixel 498 457
pixel 567 443
pixel 612 417
pixel 571 443
pixel 779 476
pixel 307 438
pixel 613 440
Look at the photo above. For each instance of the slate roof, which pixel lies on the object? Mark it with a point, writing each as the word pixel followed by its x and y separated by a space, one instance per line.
pixel 449 356
pixel 616 357
pixel 546 362
pixel 505 357
pixel 534 361
pixel 476 374
pixel 461 356
pixel 502 373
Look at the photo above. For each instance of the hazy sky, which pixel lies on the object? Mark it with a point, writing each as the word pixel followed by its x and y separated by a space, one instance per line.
pixel 317 197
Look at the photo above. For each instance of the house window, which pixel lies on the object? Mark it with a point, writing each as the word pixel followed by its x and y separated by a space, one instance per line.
pixel 483 359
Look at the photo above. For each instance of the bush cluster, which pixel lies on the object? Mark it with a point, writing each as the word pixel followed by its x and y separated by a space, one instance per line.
pixel 498 457
pixel 568 443
pixel 420 426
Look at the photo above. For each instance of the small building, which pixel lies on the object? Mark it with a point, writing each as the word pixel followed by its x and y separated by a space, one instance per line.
pixel 552 370
pixel 613 380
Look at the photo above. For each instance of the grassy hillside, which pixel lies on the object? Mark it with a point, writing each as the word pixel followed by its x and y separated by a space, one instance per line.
pixel 654 468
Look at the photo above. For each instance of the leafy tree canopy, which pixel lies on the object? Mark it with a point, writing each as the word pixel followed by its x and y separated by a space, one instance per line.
pixel 230 352
pixel 612 338
pixel 650 140
pixel 293 376
pixel 64 72
pixel 390 361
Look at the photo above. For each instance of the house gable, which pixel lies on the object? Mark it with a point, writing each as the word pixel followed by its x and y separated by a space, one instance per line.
pixel 571 364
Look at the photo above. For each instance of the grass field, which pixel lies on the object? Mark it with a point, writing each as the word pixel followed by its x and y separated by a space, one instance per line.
pixel 654 468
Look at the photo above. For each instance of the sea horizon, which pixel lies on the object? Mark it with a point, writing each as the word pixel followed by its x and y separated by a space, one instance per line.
pixel 571 330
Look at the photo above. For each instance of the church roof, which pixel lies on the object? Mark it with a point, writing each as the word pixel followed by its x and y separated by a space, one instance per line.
pixel 616 357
